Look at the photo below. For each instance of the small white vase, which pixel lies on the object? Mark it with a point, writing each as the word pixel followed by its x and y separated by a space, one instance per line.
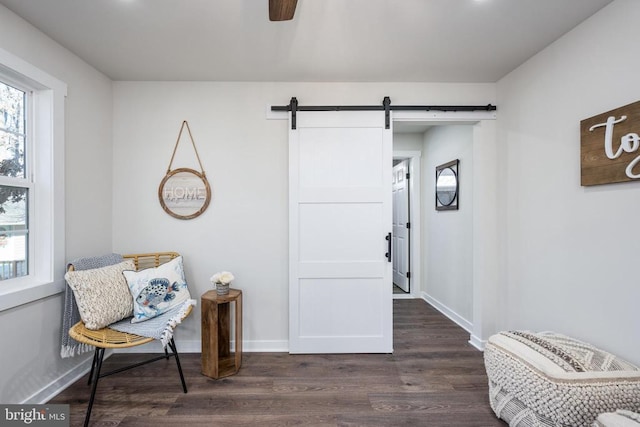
pixel 222 288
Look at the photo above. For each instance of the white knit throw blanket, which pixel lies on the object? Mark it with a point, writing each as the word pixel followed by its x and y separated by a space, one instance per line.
pixel 159 327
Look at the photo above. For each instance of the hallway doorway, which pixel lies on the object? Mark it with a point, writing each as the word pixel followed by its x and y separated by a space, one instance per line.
pixel 407 219
pixel 401 240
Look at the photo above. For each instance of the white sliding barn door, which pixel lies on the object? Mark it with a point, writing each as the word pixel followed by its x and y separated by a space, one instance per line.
pixel 340 293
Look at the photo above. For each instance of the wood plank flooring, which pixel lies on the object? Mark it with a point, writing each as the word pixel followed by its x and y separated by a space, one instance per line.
pixel 433 378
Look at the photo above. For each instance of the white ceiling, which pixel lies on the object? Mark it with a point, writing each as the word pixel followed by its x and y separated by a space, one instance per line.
pixel 328 40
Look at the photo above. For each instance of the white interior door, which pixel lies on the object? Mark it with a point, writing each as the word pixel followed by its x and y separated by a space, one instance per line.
pixel 340 294
pixel 401 225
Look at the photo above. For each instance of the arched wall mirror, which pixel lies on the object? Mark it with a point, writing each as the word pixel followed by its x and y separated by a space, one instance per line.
pixel 447 186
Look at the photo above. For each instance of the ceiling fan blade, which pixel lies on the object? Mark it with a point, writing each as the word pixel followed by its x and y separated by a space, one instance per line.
pixel 282 10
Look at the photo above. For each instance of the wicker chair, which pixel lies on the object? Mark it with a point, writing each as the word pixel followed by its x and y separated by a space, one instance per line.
pixel 108 338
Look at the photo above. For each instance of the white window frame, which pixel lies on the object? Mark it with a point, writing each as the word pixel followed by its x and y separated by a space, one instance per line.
pixel 46 210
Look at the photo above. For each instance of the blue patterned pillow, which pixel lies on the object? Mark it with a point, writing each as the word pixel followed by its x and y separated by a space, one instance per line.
pixel 157 290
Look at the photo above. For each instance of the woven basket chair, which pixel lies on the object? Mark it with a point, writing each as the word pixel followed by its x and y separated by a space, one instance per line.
pixel 107 338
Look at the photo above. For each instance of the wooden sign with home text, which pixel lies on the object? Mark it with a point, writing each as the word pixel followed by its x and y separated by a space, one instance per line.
pixel 610 146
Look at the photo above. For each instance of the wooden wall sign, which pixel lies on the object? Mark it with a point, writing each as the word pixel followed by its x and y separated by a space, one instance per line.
pixel 610 146
pixel 184 193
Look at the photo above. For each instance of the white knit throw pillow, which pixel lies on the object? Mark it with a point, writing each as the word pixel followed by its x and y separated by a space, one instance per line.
pixel 102 294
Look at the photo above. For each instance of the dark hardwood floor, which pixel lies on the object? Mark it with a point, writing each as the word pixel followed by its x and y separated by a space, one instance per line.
pixel 433 378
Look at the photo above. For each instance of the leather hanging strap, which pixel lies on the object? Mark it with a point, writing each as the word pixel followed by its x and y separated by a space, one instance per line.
pixel 185 124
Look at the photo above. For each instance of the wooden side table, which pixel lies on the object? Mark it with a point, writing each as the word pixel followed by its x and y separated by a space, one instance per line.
pixel 217 359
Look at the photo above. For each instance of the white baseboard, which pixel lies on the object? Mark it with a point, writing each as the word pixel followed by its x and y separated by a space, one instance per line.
pixel 477 342
pixel 55 387
pixel 403 296
pixel 195 346
pixel 459 320
pixel 266 346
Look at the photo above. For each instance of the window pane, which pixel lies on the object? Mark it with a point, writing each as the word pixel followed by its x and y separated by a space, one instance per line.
pixel 14 232
pixel 12 131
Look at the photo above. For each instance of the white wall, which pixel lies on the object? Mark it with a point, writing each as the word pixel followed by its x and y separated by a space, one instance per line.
pixel 407 141
pixel 448 235
pixel 30 357
pixel 244 155
pixel 571 251
pixel 567 252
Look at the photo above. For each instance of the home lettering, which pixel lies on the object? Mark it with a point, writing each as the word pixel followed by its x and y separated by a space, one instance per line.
pixel 184 193
pixel 629 143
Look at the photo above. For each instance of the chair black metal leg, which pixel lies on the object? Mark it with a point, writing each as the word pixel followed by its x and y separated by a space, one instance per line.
pixel 93 366
pixel 172 344
pixel 166 353
pixel 98 365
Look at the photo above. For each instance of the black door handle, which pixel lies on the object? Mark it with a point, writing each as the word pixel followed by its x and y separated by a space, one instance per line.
pixel 388 254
